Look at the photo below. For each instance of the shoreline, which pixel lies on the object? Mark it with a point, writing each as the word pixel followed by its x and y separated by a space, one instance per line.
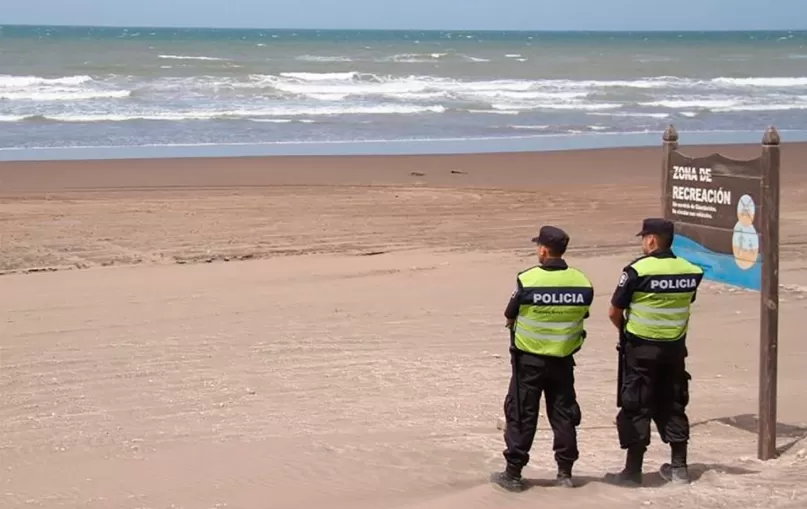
pixel 426 146
pixel 483 171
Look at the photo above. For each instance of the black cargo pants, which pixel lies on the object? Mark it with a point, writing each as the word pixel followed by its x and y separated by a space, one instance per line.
pixel 657 389
pixel 532 377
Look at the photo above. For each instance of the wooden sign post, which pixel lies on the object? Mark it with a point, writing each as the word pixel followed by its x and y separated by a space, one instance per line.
pixel 726 215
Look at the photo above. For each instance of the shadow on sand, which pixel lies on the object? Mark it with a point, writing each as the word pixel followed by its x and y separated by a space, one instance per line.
pixel 744 422
pixel 749 423
pixel 650 479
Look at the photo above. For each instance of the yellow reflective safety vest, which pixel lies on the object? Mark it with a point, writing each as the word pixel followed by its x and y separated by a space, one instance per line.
pixel 660 305
pixel 553 304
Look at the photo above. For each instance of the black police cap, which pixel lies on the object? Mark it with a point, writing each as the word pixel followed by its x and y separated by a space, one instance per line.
pixel 656 226
pixel 553 238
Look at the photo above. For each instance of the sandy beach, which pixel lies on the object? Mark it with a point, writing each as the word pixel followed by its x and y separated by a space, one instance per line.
pixel 328 332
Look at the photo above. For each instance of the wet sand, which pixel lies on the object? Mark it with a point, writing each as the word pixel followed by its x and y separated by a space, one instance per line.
pixel 356 357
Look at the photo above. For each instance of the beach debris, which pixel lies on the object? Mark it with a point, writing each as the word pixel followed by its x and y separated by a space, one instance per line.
pixel 458 172
pixel 799 290
pixel 212 258
pixel 372 253
pixel 33 270
pixel 417 174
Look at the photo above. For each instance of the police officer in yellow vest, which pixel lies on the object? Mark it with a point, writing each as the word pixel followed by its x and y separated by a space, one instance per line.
pixel 651 308
pixel 545 316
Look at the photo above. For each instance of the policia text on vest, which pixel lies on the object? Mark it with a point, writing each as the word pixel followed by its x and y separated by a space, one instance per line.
pixel 546 315
pixel 651 308
pixel 660 300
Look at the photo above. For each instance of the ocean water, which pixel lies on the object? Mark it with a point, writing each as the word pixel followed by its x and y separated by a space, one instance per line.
pixel 63 87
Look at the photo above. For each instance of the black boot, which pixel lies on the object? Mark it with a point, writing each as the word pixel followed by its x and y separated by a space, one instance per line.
pixel 509 480
pixel 676 471
pixel 564 478
pixel 631 475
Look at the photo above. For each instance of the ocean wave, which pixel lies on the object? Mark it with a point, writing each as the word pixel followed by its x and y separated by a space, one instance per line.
pixel 340 86
pixel 400 58
pixel 414 58
pixel 726 105
pixel 762 82
pixel 283 120
pixel 249 114
pixel 470 58
pixel 13 118
pixel 557 106
pixel 495 112
pixel 631 114
pixel 527 95
pixel 355 83
pixel 321 76
pixel 64 89
pixel 62 95
pixel 417 83
pixel 688 83
pixel 189 57
pixel 323 58
pixel 353 92
pixel 697 103
pixel 761 107
pixel 8 81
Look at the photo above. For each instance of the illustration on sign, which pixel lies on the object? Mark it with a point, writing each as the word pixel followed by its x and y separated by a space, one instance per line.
pixel 745 241
pixel 714 203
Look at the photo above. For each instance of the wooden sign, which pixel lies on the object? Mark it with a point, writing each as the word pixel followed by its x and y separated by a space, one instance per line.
pixel 726 215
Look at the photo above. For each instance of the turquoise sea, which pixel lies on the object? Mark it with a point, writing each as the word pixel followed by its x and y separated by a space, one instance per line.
pixel 307 91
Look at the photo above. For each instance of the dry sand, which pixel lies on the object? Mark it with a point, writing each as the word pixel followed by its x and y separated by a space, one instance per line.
pixel 324 378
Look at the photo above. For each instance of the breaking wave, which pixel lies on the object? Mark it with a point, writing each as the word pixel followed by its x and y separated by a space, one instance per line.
pixel 253 114
pixel 110 98
pixel 186 57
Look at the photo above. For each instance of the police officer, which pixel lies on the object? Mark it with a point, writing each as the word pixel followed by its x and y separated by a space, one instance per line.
pixel 651 308
pixel 545 316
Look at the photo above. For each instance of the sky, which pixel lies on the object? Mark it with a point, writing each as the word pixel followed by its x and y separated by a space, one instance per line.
pixel 417 14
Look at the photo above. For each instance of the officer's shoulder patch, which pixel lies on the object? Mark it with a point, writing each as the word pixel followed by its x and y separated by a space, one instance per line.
pixel 623 278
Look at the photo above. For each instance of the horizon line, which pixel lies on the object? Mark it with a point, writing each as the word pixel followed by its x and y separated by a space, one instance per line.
pixel 601 30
